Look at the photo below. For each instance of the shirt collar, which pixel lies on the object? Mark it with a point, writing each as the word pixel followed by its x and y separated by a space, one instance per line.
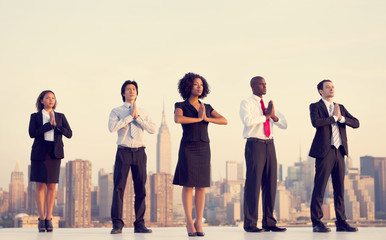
pixel 257 98
pixel 45 112
pixel 126 104
pixel 327 103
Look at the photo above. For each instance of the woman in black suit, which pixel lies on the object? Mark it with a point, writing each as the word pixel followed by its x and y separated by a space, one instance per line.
pixel 193 167
pixel 47 128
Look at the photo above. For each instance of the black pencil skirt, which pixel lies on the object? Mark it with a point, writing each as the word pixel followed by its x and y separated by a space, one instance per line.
pixel 193 167
pixel 46 171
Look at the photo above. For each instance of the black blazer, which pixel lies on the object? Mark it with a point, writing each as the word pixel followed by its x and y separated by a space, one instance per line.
pixel 37 129
pixel 322 122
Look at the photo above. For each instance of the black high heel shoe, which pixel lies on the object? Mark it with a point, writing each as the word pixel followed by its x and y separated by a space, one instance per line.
pixel 193 234
pixel 49 226
pixel 42 225
pixel 199 234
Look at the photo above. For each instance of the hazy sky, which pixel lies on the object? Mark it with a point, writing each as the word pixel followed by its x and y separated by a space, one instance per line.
pixel 84 50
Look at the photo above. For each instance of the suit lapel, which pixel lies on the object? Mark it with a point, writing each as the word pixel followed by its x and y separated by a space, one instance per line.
pixel 40 118
pixel 324 108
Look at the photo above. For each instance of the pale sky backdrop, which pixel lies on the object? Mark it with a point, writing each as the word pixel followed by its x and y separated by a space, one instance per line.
pixel 84 51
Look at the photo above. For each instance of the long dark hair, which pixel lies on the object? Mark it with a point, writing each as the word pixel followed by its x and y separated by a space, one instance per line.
pixel 39 104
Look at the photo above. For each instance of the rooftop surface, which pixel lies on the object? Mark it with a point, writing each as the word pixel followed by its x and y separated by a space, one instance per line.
pixel 212 233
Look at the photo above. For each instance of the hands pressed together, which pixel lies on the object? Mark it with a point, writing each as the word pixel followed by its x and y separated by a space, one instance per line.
pixel 270 112
pixel 52 119
pixel 202 112
pixel 337 112
pixel 134 112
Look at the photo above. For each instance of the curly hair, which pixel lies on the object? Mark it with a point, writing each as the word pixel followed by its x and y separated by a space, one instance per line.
pixel 39 105
pixel 186 83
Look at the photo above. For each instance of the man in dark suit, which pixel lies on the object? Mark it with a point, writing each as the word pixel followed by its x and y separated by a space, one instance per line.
pixel 329 148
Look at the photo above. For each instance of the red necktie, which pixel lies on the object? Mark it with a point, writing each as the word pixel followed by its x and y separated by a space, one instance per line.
pixel 267 129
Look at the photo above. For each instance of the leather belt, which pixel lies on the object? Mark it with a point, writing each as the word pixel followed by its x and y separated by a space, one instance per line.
pixel 131 149
pixel 266 141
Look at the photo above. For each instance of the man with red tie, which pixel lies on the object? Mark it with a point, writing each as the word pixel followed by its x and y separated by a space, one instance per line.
pixel 260 157
pixel 329 148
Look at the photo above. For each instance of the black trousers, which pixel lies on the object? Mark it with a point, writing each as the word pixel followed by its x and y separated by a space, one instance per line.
pixel 136 160
pixel 332 164
pixel 261 166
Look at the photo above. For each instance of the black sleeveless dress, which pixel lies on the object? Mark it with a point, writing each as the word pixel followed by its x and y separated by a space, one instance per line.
pixel 193 166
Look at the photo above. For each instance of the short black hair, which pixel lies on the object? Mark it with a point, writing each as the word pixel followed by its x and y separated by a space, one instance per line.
pixel 39 105
pixel 320 85
pixel 254 79
pixel 186 83
pixel 123 88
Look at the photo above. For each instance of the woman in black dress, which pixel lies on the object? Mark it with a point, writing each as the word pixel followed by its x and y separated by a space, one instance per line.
pixel 47 128
pixel 193 167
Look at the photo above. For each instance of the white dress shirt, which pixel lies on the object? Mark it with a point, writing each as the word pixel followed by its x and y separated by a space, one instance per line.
pixel 120 120
pixel 252 116
pixel 330 113
pixel 49 135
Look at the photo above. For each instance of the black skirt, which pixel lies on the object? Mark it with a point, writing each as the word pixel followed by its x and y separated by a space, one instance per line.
pixel 193 166
pixel 46 171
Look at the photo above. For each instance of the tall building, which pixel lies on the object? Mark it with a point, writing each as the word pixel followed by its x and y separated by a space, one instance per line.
pixel 240 171
pixel 59 208
pixel 231 170
pixel 78 194
pixel 31 201
pixel 376 167
pixel 4 202
pixel 106 187
pixel 164 149
pixel 161 195
pixel 16 190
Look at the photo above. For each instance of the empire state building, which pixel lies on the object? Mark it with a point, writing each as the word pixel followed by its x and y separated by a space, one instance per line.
pixel 163 147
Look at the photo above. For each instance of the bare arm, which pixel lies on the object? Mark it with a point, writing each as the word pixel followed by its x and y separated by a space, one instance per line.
pixel 180 118
pixel 217 118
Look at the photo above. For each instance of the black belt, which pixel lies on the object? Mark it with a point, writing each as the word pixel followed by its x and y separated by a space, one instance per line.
pixel 266 141
pixel 131 149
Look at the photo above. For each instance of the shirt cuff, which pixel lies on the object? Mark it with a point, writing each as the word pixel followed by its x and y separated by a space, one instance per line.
pixel 342 120
pixel 128 119
pixel 335 118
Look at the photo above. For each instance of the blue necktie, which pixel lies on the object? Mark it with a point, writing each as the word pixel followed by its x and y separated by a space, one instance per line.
pixel 133 126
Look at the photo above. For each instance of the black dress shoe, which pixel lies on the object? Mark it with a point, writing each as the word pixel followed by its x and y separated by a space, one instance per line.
pixel 116 230
pixel 49 226
pixel 42 225
pixel 274 229
pixel 253 229
pixel 321 228
pixel 344 227
pixel 142 229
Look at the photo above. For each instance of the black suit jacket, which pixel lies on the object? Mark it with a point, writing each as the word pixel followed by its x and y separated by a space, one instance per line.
pixel 322 122
pixel 37 129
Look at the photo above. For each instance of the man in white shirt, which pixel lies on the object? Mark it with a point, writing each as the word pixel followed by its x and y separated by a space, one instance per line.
pixel 260 157
pixel 130 122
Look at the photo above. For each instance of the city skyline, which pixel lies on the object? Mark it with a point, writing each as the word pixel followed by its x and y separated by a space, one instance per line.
pixel 84 51
pixel 223 199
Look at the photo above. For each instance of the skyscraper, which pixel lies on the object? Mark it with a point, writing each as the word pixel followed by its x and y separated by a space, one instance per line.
pixel 16 190
pixel 78 193
pixel 376 167
pixel 164 158
pixel 231 170
pixel 106 187
pixel 161 194
pixel 31 201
